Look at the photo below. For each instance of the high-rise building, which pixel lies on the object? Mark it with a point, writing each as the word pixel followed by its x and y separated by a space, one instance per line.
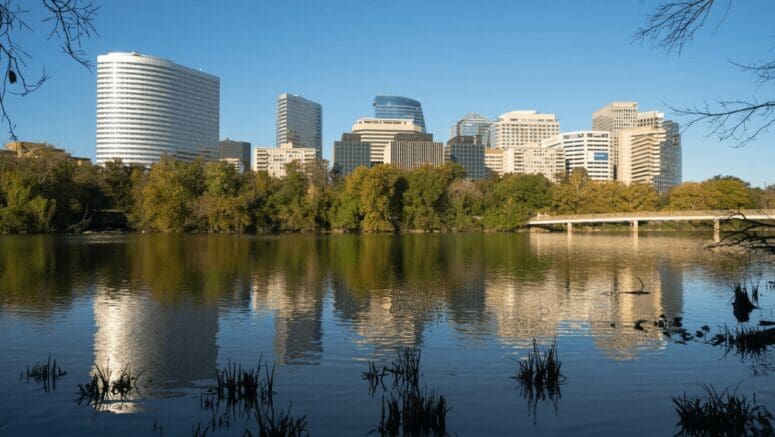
pixel 471 125
pixel 534 160
pixel 651 155
pixel 493 161
pixel 616 116
pixel 409 151
pixel 380 131
pixel 231 150
pixel 299 122
pixel 590 150
pixel 148 107
pixel 396 107
pixel 520 128
pixel 350 153
pixel 274 159
pixel 467 151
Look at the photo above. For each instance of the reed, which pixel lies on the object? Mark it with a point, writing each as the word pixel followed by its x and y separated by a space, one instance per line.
pixel 746 341
pixel 722 414
pixel 102 387
pixel 274 423
pixel 45 374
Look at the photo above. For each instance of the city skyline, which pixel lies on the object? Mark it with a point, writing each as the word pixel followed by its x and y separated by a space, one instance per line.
pixel 589 81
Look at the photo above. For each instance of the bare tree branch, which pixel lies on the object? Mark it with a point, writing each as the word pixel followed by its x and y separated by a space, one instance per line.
pixel 674 24
pixel 764 72
pixel 72 24
pixel 754 235
pixel 737 120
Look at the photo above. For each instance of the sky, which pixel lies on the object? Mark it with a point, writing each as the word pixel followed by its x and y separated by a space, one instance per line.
pixel 566 57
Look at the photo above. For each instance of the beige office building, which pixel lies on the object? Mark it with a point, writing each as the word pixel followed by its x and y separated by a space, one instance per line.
pixel 274 159
pixel 493 161
pixel 617 116
pixel 520 128
pixel 378 132
pixel 409 151
pixel 534 160
pixel 651 155
pixel 589 150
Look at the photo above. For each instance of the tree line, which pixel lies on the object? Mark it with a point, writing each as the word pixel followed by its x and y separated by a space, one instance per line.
pixel 51 193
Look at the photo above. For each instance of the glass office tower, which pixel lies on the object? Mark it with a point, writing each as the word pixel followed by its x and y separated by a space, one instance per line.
pixel 396 107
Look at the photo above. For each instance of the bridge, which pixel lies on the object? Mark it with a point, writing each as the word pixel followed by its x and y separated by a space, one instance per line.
pixel 717 216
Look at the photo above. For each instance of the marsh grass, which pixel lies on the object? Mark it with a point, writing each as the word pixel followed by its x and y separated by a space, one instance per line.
pixel 409 410
pixel 540 376
pixel 726 414
pixel 278 423
pixel 45 374
pixel 745 341
pixel 103 388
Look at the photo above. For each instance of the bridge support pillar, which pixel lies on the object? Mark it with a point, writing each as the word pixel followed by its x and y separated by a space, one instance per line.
pixel 634 226
pixel 569 227
pixel 716 225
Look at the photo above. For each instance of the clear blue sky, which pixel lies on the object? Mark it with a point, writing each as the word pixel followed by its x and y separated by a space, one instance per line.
pixel 566 57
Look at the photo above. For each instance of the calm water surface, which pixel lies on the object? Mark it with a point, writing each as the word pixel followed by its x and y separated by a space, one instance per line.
pixel 175 308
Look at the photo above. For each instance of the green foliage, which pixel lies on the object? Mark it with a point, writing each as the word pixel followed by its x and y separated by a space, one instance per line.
pixel 725 192
pixel 515 198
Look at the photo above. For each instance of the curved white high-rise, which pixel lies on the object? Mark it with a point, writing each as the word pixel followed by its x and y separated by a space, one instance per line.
pixel 148 107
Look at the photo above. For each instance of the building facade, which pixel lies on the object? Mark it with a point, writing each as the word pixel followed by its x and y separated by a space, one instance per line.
pixel 589 150
pixel 299 122
pixel 471 125
pixel 651 155
pixel 148 107
pixel 396 107
pixel 274 159
pixel 231 150
pixel 469 153
pixel 534 160
pixel 378 132
pixel 520 128
pixel 493 161
pixel 350 153
pixel 410 151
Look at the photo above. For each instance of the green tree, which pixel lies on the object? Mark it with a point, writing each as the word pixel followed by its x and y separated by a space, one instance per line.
pixel 381 191
pixel 517 197
pixel 168 198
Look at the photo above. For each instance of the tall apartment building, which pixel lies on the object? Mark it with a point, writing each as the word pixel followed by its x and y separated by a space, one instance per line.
pixel 396 107
pixel 519 128
pixel 299 122
pixel 493 161
pixel 148 107
pixel 409 151
pixel 590 150
pixel 534 160
pixel 350 153
pixel 651 155
pixel 231 150
pixel 616 116
pixel 471 125
pixel 468 151
pixel 274 159
pixel 378 132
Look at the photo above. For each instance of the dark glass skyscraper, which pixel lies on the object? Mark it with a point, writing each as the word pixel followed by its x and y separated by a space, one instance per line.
pixel 399 107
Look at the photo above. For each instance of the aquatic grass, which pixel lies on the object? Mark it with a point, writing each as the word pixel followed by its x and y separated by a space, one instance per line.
pixel 45 374
pixel 374 376
pixel 406 368
pixel 745 341
pixel 273 423
pixel 742 305
pixel 540 376
pixel 103 388
pixel 727 414
pixel 414 412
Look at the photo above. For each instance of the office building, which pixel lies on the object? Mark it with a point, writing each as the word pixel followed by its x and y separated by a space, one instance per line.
pixel 534 160
pixel 299 123
pixel 395 107
pixel 520 128
pixel 651 155
pixel 235 150
pixel 471 125
pixel 378 132
pixel 409 151
pixel 273 160
pixel 617 116
pixel 589 150
pixel 467 151
pixel 350 153
pixel 148 107
pixel 27 149
pixel 493 161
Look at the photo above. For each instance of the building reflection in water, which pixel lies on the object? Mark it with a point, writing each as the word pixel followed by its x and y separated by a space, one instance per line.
pixel 169 345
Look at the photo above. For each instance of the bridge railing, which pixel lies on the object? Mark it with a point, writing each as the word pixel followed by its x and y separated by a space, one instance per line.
pixel 627 216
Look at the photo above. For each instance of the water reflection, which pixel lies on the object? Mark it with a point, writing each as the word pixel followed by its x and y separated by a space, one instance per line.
pixel 156 299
